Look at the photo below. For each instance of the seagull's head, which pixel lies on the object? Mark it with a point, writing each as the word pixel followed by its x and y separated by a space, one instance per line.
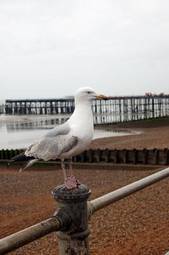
pixel 87 94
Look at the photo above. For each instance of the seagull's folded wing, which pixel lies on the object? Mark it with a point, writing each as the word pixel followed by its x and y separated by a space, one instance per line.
pixel 52 147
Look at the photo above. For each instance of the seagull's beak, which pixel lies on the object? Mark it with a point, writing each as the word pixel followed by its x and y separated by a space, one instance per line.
pixel 101 97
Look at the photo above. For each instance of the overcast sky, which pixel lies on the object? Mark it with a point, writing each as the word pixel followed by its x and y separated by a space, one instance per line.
pixel 51 48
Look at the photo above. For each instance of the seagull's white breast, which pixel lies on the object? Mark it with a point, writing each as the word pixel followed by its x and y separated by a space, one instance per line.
pixel 81 124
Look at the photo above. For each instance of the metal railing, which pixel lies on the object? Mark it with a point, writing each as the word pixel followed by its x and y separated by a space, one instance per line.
pixel 71 219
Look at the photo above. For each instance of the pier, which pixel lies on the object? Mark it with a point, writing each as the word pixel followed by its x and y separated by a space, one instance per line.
pixel 39 106
pixel 113 110
pixel 2 108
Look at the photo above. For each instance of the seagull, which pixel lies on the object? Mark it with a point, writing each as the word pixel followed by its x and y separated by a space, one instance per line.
pixel 68 139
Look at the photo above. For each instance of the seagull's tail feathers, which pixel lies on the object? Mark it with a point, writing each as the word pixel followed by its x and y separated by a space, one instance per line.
pixel 29 164
pixel 22 157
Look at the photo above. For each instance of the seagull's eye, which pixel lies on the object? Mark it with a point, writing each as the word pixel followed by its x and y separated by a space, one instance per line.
pixel 89 92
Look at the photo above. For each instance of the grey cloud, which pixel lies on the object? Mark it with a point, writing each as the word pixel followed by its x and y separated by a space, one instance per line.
pixel 52 47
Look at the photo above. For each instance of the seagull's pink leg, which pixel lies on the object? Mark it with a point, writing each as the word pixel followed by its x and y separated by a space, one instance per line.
pixel 70 167
pixel 71 182
pixel 64 169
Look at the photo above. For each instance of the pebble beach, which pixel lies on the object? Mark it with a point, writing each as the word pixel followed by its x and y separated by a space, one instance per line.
pixel 138 224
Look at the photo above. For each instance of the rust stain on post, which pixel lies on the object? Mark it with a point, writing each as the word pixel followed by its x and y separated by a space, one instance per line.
pixel 73 237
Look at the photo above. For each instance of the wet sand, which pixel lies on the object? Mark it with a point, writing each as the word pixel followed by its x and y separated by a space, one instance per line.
pixel 137 225
pixel 149 134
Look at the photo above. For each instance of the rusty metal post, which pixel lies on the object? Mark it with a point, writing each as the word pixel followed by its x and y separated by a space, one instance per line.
pixel 73 238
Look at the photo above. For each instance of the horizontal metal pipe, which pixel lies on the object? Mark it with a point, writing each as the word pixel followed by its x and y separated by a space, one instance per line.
pixel 43 228
pixel 28 235
pixel 125 191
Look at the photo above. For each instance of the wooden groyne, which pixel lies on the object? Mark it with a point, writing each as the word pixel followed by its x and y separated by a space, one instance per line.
pixel 135 156
pixel 113 110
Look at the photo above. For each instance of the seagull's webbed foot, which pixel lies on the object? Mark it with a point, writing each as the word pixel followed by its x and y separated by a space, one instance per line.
pixel 71 182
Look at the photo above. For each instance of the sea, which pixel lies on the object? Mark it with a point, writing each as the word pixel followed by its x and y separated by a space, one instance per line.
pixel 19 131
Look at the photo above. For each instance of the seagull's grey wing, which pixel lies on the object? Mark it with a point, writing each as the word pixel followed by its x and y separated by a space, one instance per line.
pixel 52 147
pixel 62 129
pixel 71 143
pixel 50 140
